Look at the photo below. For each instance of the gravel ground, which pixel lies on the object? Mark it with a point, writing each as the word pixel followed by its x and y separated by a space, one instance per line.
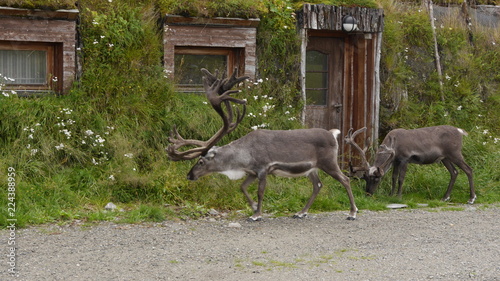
pixel 415 244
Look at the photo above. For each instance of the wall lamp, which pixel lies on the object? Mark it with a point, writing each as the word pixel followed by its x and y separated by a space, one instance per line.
pixel 349 24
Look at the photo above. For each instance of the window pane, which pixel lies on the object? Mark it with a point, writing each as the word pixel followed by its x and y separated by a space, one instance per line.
pixel 316 80
pixel 316 61
pixel 187 67
pixel 316 97
pixel 24 66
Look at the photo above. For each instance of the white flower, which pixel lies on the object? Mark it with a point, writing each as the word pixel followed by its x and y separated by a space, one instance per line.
pixel 485 132
pixel 94 162
pixel 33 152
pixel 111 177
pixel 30 136
pixel 254 128
pixel 60 146
pixel 67 111
pixel 89 133
pixel 66 132
pixel 459 107
pixel 128 155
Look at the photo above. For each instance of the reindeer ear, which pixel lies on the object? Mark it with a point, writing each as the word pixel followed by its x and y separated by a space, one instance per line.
pixel 211 153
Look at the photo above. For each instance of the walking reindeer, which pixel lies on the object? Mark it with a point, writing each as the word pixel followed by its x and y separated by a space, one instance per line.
pixel 288 153
pixel 419 146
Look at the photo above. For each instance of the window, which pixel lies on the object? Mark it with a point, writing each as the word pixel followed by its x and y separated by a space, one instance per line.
pixel 189 60
pixel 316 77
pixel 29 66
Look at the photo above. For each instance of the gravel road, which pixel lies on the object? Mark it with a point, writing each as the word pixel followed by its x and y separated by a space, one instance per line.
pixel 413 244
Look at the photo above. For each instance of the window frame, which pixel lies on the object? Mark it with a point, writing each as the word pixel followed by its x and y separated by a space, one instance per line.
pixel 234 58
pixel 53 65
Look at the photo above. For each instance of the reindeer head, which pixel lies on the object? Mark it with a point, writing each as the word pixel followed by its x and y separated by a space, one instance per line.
pixel 372 174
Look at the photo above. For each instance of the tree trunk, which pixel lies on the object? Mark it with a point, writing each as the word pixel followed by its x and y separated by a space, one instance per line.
pixel 436 51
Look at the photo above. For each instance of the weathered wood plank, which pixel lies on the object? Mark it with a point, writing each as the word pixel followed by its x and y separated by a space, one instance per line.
pixel 17 29
pixel 326 17
pixel 210 35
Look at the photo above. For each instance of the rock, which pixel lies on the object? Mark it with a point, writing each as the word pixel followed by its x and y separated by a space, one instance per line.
pixel 110 207
pixel 213 212
pixel 234 225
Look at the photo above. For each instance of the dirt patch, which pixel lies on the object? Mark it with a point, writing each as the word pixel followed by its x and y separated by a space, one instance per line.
pixel 417 244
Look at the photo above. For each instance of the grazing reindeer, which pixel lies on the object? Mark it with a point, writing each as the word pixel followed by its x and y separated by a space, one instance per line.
pixel 260 153
pixel 420 146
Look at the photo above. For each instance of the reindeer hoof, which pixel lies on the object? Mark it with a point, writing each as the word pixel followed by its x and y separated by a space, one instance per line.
pixel 252 219
pixel 471 201
pixel 351 218
pixel 299 216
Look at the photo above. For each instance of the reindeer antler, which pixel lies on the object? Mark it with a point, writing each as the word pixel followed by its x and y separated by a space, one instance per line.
pixel 350 140
pixel 228 82
pixel 218 99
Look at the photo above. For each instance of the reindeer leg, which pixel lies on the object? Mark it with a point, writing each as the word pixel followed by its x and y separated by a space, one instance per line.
pixel 468 171
pixel 401 178
pixel 395 173
pixel 313 176
pixel 338 175
pixel 244 187
pixel 257 215
pixel 453 177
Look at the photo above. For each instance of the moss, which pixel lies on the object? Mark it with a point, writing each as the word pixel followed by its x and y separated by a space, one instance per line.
pixel 217 8
pixel 40 4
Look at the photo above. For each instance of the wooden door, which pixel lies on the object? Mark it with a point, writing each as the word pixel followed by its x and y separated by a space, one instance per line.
pixel 324 82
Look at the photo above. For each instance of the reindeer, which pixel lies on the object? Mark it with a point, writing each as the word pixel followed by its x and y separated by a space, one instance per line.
pixel 288 153
pixel 420 146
